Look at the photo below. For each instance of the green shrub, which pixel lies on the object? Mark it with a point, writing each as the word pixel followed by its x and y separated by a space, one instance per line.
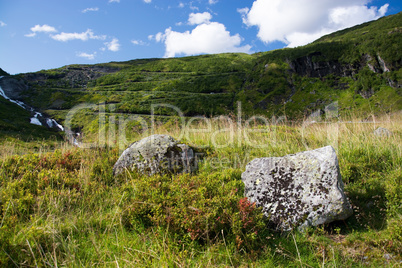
pixel 203 208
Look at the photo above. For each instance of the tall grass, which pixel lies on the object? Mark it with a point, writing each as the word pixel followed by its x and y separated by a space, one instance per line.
pixel 64 207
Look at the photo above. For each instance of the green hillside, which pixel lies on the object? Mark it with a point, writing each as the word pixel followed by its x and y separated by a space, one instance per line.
pixel 15 128
pixel 358 67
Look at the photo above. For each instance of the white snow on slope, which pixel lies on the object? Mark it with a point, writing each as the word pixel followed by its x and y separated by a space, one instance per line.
pixel 35 120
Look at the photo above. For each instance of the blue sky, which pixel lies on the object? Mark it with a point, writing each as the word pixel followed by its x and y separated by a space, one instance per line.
pixel 45 34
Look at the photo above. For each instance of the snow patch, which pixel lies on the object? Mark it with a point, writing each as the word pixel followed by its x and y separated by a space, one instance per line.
pixel 35 121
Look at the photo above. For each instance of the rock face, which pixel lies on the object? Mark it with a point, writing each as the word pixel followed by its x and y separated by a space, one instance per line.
pixel 302 189
pixel 156 154
pixel 73 76
pixel 13 88
pixel 306 66
pixel 382 132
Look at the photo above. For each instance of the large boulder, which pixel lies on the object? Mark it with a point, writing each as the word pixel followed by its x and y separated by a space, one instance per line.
pixel 298 190
pixel 156 154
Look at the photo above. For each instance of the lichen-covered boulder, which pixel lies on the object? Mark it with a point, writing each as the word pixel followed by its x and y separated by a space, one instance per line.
pixel 156 154
pixel 298 190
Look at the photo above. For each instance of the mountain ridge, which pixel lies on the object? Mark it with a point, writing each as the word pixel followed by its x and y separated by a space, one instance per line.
pixel 359 67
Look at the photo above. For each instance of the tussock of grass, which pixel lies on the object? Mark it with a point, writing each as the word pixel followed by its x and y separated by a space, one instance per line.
pixel 64 208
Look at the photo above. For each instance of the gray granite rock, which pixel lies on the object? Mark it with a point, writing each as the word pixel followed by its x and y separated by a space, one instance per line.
pixel 298 190
pixel 382 132
pixel 156 154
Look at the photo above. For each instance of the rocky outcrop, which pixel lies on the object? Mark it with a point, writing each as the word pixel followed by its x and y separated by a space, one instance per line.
pixel 156 154
pixel 298 190
pixel 311 67
pixel 3 73
pixel 307 66
pixel 75 76
pixel 13 88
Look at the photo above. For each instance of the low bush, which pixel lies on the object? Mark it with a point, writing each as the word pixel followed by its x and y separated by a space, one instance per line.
pixel 204 208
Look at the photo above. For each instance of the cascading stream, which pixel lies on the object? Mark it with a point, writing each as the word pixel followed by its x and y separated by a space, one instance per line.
pixel 37 118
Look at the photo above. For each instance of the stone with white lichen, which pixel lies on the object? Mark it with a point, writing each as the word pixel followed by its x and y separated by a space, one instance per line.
pixel 298 190
pixel 156 154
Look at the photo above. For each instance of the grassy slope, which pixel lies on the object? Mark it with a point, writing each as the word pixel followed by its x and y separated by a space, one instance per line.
pixel 66 209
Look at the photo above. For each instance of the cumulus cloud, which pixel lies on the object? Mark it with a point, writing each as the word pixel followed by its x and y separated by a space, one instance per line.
pixel 205 38
pixel 147 1
pixel 113 45
pixel 298 22
pixel 44 28
pixel 90 9
pixel 114 1
pixel 2 24
pixel 84 36
pixel 211 2
pixel 199 18
pixel 41 29
pixel 86 55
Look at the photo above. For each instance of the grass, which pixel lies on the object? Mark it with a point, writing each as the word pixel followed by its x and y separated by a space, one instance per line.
pixel 63 207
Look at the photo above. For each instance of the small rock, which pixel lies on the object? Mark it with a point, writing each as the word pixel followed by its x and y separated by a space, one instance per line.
pixel 382 132
pixel 156 154
pixel 303 189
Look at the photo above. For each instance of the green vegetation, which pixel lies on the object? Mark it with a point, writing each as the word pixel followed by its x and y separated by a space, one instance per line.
pixel 358 67
pixel 15 129
pixel 64 208
pixel 61 206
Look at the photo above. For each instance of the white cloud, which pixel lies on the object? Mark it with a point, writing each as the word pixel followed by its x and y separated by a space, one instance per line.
pixel 113 45
pixel 147 1
pixel 2 24
pixel 159 37
pixel 84 36
pixel 193 7
pixel 41 29
pixel 243 12
pixel 90 9
pixel 30 35
pixel 44 28
pixel 298 22
pixel 199 18
pixel 114 1
pixel 205 38
pixel 181 5
pixel 138 42
pixel 86 55
pixel 212 2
